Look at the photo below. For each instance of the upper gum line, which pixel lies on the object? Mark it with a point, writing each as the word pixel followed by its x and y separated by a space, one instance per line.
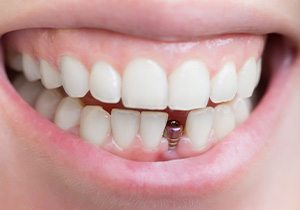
pixel 119 50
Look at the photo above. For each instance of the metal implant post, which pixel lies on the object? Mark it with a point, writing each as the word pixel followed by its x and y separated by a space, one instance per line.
pixel 173 133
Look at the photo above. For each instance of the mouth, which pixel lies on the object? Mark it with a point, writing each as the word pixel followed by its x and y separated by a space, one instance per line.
pixel 108 103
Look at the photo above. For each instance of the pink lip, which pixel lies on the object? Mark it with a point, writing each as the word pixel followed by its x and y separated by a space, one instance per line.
pixel 132 17
pixel 185 177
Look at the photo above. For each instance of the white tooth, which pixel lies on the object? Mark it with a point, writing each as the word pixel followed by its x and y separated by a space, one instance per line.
pixel 189 86
pixel 258 74
pixel 94 125
pixel 31 68
pixel 224 121
pixel 152 128
pixel 29 91
pixel 75 77
pixel 50 77
pixel 68 112
pixel 247 78
pixel 241 109
pixel 125 125
pixel 47 103
pixel 198 127
pixel 14 61
pixel 224 85
pixel 144 85
pixel 105 83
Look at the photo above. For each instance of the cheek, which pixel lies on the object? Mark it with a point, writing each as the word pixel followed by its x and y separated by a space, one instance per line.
pixel 278 173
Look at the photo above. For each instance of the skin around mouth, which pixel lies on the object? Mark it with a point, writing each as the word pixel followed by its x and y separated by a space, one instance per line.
pixel 112 85
pixel 45 167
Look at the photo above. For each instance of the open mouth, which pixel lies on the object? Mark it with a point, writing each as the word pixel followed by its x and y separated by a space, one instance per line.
pixel 149 109
pixel 142 100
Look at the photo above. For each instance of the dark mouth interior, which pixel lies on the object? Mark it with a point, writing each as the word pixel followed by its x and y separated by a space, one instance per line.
pixel 279 54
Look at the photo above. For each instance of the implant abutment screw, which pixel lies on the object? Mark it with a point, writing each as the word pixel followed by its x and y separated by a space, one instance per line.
pixel 173 132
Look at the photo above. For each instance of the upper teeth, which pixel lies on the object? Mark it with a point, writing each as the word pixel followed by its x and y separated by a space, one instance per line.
pixel 144 83
pixel 224 84
pixel 75 77
pixel 189 86
pixel 105 83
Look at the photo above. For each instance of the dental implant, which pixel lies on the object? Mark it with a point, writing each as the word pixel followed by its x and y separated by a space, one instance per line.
pixel 173 132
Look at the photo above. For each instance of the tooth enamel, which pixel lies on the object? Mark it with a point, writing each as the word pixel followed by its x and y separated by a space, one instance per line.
pixel 125 125
pixel 14 61
pixel 29 91
pixel 241 109
pixel 258 74
pixel 105 83
pixel 67 114
pixel 31 68
pixel 224 121
pixel 152 128
pixel 50 77
pixel 198 127
pixel 144 85
pixel 189 86
pixel 94 125
pixel 75 77
pixel 224 85
pixel 47 103
pixel 247 78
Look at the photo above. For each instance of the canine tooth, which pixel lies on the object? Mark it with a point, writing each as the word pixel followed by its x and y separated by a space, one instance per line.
pixel 47 103
pixel 50 77
pixel 144 85
pixel 198 127
pixel 94 124
pixel 75 77
pixel 189 86
pixel 258 74
pixel 224 85
pixel 68 113
pixel 224 121
pixel 14 61
pixel 31 68
pixel 247 78
pixel 152 128
pixel 125 126
pixel 105 83
pixel 241 109
pixel 29 91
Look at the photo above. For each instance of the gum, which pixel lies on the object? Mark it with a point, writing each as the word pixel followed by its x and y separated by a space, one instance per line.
pixel 90 46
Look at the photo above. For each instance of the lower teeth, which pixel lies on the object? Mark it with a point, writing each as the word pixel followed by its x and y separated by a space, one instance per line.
pixel 148 132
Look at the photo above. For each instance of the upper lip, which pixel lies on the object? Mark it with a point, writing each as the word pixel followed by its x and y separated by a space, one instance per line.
pixel 201 18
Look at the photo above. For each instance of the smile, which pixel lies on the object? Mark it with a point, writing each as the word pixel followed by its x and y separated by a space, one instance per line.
pixel 134 112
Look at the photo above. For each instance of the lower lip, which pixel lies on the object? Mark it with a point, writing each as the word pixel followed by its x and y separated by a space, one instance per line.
pixel 186 177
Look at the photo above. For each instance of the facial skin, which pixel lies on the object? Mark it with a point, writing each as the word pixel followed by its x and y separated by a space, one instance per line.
pixel 31 178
